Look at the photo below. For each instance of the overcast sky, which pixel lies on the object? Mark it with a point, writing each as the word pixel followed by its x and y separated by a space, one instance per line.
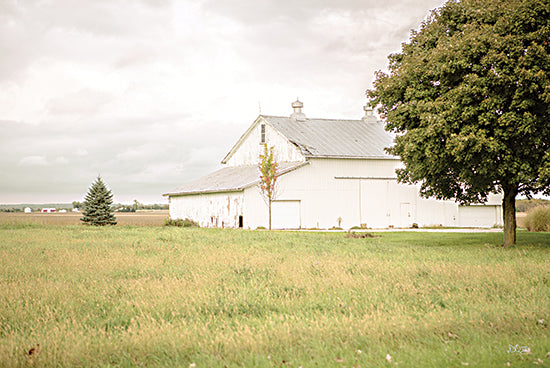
pixel 151 94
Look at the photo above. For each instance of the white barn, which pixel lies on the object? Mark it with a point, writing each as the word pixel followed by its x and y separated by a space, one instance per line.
pixel 331 173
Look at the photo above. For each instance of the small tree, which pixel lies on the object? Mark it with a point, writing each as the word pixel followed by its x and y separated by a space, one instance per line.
pixel 268 177
pixel 97 205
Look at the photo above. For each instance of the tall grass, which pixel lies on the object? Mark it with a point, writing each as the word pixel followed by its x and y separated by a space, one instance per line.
pixel 538 219
pixel 168 296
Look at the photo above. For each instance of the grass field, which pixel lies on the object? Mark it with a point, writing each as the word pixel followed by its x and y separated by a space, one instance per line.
pixel 171 297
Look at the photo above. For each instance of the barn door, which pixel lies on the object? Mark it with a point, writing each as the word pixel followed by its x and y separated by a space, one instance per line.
pixel 374 203
pixel 477 216
pixel 285 215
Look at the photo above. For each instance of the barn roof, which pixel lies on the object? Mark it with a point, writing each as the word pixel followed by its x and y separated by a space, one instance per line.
pixel 230 179
pixel 334 137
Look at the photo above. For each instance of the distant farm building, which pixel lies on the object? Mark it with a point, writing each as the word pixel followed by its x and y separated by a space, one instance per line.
pixel 332 172
pixel 48 210
pixel 28 210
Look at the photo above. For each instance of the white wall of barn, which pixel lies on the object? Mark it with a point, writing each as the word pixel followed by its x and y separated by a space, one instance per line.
pixel 255 209
pixel 360 192
pixel 329 189
pixel 209 209
pixel 333 192
pixel 249 151
pixel 317 195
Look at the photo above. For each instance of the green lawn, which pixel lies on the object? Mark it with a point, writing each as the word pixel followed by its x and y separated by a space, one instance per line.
pixel 168 297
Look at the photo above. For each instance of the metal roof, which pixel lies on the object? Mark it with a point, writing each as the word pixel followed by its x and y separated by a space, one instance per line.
pixel 334 138
pixel 230 179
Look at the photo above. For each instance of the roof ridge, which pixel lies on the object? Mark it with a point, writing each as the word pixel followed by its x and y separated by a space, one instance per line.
pixel 288 117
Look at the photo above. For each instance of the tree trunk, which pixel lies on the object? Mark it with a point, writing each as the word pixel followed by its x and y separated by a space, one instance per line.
pixel 270 213
pixel 509 214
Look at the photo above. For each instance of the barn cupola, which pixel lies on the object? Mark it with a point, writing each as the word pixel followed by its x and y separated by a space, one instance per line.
pixel 298 115
pixel 369 115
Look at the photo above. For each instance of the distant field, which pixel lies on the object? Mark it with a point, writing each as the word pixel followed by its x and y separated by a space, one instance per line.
pixel 140 218
pixel 172 297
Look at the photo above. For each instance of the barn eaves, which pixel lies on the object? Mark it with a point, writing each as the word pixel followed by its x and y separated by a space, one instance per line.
pixel 230 179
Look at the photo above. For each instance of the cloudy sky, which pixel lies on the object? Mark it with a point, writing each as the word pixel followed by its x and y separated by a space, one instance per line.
pixel 151 94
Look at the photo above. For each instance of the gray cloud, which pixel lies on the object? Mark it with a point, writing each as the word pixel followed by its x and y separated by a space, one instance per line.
pixel 84 101
pixel 153 93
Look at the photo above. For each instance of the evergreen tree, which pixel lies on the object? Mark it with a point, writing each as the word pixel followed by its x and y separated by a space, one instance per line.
pixel 98 209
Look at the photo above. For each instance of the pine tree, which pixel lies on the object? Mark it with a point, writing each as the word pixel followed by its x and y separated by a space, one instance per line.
pixel 97 205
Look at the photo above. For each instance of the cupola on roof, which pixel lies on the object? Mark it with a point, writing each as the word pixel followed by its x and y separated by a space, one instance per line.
pixel 298 115
pixel 369 116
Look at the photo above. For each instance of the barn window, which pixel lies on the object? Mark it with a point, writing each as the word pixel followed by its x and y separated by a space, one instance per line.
pixel 241 222
pixel 262 138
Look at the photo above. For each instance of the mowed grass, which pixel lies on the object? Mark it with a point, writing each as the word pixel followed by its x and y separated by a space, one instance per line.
pixel 171 297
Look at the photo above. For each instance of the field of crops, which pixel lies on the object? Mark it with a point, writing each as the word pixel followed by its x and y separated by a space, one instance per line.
pixel 140 218
pixel 172 297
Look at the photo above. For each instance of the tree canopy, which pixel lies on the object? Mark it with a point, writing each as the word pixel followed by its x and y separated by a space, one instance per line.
pixel 468 97
pixel 98 205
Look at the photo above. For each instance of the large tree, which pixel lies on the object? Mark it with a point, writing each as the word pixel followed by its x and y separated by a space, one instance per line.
pixel 468 97
pixel 98 205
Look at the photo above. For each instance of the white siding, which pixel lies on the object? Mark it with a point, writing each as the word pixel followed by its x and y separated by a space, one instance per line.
pixel 431 212
pixel 330 189
pixel 479 216
pixel 386 203
pixel 375 208
pixel 255 209
pixel 250 149
pixel 285 215
pixel 359 191
pixel 209 210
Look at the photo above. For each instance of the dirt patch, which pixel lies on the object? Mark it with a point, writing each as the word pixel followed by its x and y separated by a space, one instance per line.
pixel 355 235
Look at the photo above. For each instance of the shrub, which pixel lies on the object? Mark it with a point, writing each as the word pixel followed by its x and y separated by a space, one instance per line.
pixel 180 222
pixel 538 219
